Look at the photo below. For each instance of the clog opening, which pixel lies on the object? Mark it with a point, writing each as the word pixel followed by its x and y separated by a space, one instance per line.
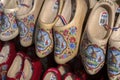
pixel 49 11
pixel 96 26
pixel 27 71
pixel 15 67
pixel 4 54
pixel 68 13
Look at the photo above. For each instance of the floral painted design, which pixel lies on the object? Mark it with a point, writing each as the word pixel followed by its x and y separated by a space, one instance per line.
pixel 72 45
pixel 43 40
pixel 65 42
pixel 73 30
pixel 30 17
pixel 113 61
pixel 94 56
pixel 14 26
pixel 26 27
pixel 65 33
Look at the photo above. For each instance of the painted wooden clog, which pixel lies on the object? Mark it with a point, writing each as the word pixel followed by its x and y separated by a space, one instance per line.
pixel 27 23
pixel 47 19
pixel 113 58
pixel 9 27
pixel 67 31
pixel 96 34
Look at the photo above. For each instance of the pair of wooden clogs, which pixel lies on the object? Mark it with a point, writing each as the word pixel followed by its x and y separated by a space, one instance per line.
pixel 101 36
pixel 59 28
pixel 19 17
pixel 19 66
pixel 62 19
pixel 23 68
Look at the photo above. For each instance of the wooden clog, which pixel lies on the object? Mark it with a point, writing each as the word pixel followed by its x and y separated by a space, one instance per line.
pixel 67 31
pixel 47 19
pixel 113 58
pixel 96 34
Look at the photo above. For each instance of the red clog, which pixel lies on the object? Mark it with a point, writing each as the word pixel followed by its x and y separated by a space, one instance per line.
pixel 52 74
pixel 7 55
pixel 23 68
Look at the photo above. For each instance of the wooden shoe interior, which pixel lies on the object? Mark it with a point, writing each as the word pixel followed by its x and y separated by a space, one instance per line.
pixel 4 54
pixel 27 70
pixel 24 6
pixel 96 25
pixel 15 67
pixel 66 16
pixel 49 11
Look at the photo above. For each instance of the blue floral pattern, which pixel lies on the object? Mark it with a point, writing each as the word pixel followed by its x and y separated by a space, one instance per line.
pixel 73 30
pixel 72 45
pixel 14 26
pixel 30 17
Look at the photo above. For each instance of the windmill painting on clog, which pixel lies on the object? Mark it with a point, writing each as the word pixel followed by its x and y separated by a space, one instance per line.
pixel 96 35
pixel 46 21
pixel 113 58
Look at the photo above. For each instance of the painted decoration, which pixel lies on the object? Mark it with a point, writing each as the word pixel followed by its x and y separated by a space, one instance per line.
pixel 5 24
pixel 94 56
pixel 65 42
pixel 43 40
pixel 113 61
pixel 60 43
pixel 23 29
